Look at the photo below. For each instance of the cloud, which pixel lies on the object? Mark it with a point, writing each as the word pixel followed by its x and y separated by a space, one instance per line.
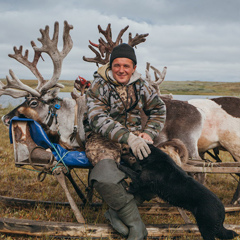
pixel 196 40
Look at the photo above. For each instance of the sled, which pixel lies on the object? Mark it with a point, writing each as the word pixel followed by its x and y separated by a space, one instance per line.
pixel 32 147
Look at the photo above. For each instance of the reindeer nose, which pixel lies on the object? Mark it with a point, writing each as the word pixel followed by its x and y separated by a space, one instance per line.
pixel 6 120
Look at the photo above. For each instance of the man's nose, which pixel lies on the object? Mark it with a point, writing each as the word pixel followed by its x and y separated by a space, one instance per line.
pixel 121 69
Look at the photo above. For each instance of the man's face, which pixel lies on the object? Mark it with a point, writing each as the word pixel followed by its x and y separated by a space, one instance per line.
pixel 122 69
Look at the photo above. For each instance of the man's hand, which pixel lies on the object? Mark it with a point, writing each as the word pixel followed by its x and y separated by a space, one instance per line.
pixel 139 146
pixel 146 137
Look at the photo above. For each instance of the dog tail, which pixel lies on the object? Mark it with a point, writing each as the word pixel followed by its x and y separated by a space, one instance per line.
pixel 224 233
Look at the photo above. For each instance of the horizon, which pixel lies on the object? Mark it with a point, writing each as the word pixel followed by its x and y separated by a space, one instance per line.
pixel 194 39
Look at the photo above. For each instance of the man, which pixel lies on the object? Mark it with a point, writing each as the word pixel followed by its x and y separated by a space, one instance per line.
pixel 114 104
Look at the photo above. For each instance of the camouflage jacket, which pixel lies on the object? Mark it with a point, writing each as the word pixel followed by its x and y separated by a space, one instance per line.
pixel 114 110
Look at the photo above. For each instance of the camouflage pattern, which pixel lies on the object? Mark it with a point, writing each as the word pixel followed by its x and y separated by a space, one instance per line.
pixel 98 148
pixel 113 110
pixel 127 95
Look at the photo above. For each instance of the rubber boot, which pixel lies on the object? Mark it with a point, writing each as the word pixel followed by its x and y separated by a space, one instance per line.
pixel 116 223
pixel 108 181
pixel 130 216
pixel 116 198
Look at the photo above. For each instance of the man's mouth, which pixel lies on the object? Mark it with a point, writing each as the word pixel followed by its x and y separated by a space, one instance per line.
pixel 121 75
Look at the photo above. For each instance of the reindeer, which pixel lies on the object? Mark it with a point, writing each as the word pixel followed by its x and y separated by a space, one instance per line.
pixel 184 121
pixel 56 116
pixel 220 125
pixel 222 120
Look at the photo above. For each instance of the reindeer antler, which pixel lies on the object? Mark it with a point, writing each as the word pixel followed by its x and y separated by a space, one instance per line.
pixel 158 79
pixel 105 47
pixel 24 60
pixel 81 84
pixel 48 46
pixel 16 83
pixel 137 39
pixel 11 92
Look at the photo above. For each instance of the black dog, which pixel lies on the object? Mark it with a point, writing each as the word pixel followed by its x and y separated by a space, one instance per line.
pixel 161 176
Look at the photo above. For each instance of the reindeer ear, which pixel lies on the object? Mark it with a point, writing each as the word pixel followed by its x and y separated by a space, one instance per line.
pixel 51 94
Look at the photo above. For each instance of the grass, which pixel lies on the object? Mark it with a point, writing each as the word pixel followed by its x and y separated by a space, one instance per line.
pixel 201 88
pixel 22 183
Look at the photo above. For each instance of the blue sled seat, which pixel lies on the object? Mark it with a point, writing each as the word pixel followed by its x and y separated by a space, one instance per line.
pixel 70 158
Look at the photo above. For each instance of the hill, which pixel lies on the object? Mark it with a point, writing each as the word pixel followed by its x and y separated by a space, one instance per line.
pixel 175 87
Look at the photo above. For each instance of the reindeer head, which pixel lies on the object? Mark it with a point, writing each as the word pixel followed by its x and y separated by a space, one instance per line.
pixel 46 91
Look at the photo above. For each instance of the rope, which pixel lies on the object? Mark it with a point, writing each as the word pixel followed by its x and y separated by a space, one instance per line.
pixel 60 159
pixel 86 187
pixel 206 165
pixel 33 170
pixel 79 178
pixel 234 177
pixel 44 169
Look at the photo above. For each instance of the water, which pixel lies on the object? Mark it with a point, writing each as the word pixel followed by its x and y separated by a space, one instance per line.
pixel 188 97
pixel 5 100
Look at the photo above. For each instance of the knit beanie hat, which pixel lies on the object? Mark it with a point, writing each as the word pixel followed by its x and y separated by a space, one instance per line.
pixel 123 51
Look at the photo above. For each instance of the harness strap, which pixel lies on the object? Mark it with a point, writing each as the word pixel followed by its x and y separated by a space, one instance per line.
pixel 52 112
pixel 76 113
pixel 75 124
pixel 50 115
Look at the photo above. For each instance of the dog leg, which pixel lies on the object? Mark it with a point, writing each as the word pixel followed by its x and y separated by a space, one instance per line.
pixel 134 185
pixel 132 174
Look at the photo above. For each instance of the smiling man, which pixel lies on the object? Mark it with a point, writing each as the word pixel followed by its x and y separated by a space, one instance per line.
pixel 115 101
pixel 122 69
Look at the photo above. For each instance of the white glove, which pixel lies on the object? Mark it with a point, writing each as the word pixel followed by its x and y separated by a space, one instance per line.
pixel 139 146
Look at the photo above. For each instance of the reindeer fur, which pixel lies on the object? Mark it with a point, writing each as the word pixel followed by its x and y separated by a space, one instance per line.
pixel 184 122
pixel 176 149
pixel 221 121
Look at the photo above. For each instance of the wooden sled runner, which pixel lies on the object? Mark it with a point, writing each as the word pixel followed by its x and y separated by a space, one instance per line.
pixel 29 150
pixel 43 228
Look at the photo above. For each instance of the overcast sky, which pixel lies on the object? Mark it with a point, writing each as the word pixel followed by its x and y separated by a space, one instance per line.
pixel 195 39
